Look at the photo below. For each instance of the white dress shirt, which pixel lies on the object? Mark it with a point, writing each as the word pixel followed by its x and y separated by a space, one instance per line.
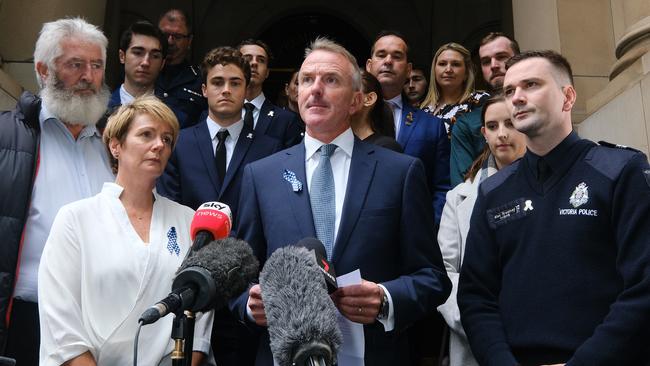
pixel 258 101
pixel 125 96
pixel 340 161
pixel 234 130
pixel 396 106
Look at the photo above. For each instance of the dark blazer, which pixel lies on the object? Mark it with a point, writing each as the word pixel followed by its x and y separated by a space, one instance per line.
pixel 424 136
pixel 190 177
pixel 386 231
pixel 279 123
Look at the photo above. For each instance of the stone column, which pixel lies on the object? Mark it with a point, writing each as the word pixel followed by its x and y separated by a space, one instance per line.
pixel 631 31
pixel 581 30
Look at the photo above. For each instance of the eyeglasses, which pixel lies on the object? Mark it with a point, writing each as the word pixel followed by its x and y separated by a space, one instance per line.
pixel 176 36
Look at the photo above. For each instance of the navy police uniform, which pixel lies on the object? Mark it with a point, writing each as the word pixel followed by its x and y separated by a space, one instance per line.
pixel 557 268
pixel 179 86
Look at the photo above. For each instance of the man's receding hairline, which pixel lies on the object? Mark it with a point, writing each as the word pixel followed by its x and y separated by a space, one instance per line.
pixel 406 46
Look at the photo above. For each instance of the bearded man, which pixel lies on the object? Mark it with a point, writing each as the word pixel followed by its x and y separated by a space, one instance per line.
pixel 51 154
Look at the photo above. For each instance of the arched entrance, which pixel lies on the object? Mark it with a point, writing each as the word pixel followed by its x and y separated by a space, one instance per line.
pixel 289 36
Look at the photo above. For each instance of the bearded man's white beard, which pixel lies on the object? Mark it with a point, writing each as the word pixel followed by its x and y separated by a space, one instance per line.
pixel 74 109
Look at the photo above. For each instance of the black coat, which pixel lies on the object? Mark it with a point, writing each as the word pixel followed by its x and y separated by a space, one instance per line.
pixel 19 139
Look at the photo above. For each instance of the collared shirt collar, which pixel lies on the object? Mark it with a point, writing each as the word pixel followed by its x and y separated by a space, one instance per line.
pixel 233 130
pixel 345 142
pixel 46 116
pixel 125 96
pixel 397 101
pixel 258 101
pixel 556 157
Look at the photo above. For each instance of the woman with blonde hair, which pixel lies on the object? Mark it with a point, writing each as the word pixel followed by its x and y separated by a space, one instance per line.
pixel 110 257
pixel 451 87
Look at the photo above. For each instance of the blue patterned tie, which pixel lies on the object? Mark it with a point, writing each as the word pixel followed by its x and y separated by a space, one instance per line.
pixel 322 197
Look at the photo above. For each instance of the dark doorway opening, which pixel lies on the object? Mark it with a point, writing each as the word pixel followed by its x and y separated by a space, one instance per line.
pixel 289 36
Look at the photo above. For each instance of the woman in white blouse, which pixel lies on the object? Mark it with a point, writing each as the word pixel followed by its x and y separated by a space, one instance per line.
pixel 504 145
pixel 110 257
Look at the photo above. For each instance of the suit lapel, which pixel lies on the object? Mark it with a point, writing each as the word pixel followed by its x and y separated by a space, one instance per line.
pixel 299 201
pixel 204 144
pixel 244 142
pixel 264 120
pixel 407 124
pixel 362 169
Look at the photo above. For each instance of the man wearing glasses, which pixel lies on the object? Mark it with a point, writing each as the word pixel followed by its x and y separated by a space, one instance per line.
pixel 179 84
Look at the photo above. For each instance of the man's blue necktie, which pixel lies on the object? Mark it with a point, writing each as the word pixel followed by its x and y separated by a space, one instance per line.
pixel 322 196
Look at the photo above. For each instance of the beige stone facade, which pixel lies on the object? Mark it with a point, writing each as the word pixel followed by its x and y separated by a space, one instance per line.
pixel 20 22
pixel 608 45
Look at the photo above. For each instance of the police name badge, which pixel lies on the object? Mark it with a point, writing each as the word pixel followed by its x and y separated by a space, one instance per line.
pixel 508 212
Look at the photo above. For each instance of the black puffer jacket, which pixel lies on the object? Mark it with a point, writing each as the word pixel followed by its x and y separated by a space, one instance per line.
pixel 19 139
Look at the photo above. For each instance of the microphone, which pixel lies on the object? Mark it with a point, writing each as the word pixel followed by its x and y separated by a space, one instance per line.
pixel 213 220
pixel 208 278
pixel 301 317
pixel 320 257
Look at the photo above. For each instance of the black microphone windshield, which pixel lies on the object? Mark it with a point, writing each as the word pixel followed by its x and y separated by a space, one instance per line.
pixel 320 257
pixel 231 265
pixel 302 318
pixel 313 243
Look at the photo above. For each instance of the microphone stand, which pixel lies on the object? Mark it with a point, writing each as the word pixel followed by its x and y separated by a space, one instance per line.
pixel 189 339
pixel 183 336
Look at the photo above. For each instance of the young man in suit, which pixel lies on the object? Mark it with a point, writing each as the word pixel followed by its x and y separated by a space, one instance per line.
pixel 258 110
pixel 143 49
pixel 380 220
pixel 420 134
pixel 207 165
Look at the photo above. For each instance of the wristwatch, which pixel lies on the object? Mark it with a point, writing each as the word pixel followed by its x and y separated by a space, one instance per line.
pixel 384 308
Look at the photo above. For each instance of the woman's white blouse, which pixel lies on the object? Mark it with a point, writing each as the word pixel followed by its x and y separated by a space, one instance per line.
pixel 97 276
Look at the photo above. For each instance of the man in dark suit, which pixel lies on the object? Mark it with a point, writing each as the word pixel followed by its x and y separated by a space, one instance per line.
pixel 378 218
pixel 420 134
pixel 192 175
pixel 423 136
pixel 258 110
pixel 207 165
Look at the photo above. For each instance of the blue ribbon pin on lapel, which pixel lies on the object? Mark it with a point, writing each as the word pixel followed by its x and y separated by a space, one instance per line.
pixel 290 177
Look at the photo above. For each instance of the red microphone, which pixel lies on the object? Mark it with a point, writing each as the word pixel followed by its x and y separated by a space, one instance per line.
pixel 212 221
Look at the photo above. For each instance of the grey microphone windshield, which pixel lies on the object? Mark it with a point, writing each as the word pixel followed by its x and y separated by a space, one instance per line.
pixel 302 319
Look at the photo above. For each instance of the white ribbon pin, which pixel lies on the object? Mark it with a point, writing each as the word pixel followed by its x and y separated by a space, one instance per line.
pixel 528 205
pixel 270 114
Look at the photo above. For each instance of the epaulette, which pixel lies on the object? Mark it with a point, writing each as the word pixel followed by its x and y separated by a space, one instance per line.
pixel 610 159
pixel 616 146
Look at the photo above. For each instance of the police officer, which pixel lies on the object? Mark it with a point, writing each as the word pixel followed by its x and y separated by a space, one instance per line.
pixel 557 257
pixel 179 83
